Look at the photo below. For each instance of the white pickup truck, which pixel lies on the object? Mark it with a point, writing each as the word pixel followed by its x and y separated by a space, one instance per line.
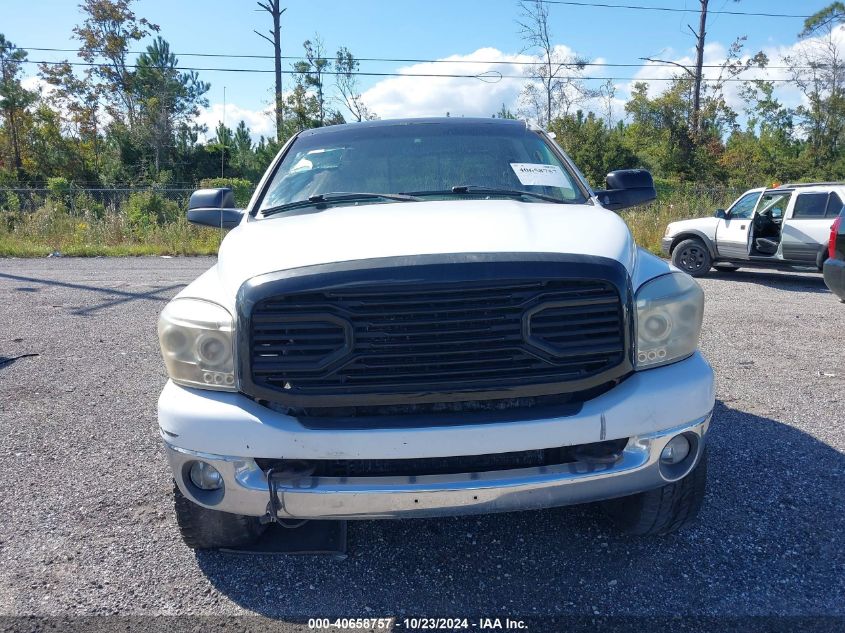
pixel 431 317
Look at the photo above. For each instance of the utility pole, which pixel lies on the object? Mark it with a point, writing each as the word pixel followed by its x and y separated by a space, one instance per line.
pixel 695 73
pixel 700 37
pixel 272 7
pixel 223 145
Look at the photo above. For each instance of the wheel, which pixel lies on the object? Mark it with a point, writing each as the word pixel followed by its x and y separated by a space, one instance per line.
pixel 202 528
pixel 692 257
pixel 664 509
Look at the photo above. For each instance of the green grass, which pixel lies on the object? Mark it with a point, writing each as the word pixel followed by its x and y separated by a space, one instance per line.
pixel 648 224
pixel 52 229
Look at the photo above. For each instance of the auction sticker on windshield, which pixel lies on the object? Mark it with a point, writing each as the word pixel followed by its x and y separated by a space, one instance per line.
pixel 540 175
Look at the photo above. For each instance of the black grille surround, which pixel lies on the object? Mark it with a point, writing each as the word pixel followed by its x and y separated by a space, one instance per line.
pixel 434 329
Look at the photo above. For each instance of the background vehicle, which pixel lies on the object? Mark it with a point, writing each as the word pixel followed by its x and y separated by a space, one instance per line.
pixel 431 317
pixel 785 227
pixel 834 267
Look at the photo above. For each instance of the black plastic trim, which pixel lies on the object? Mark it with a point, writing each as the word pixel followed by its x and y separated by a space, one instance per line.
pixel 426 268
pixel 439 419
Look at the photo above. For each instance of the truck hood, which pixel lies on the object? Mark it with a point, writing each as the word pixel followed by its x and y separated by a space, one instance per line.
pixel 348 233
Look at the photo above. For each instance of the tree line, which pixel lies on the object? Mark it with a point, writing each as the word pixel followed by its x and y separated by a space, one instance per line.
pixel 113 119
pixel 688 132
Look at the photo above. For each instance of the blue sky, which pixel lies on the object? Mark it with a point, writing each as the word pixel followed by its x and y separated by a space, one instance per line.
pixel 421 29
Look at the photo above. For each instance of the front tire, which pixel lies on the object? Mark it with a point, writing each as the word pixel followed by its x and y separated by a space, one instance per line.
pixel 693 257
pixel 663 510
pixel 202 528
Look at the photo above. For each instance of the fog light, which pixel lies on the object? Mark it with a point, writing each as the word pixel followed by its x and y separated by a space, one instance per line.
pixel 676 450
pixel 205 476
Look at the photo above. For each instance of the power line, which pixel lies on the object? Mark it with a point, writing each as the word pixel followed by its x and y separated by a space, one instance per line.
pixel 408 60
pixel 488 76
pixel 639 7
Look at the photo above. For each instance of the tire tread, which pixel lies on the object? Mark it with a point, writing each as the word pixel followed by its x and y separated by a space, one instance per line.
pixel 665 509
pixel 202 528
pixel 708 261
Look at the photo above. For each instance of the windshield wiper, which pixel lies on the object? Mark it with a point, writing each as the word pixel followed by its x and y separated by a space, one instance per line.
pixel 504 192
pixel 340 196
pixel 477 190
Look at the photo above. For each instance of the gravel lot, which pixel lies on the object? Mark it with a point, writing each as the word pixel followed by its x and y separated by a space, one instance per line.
pixel 85 494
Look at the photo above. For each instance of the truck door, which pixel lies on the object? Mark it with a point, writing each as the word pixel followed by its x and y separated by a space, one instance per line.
pixel 767 225
pixel 732 230
pixel 806 227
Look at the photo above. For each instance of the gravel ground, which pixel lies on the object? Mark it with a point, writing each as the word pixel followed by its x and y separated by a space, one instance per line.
pixel 85 494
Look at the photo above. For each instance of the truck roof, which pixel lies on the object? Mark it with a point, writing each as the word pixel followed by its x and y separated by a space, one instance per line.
pixel 795 185
pixel 453 121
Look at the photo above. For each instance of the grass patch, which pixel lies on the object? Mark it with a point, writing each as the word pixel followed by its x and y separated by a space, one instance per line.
pixel 90 234
pixel 52 229
pixel 648 224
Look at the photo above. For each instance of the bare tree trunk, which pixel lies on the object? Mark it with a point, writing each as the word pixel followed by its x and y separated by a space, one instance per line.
pixel 272 7
pixel 16 148
pixel 699 67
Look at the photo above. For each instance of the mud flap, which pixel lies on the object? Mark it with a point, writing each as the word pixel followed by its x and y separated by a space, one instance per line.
pixel 319 538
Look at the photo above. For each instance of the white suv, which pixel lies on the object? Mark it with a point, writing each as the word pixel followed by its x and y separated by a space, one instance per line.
pixel 431 317
pixel 775 228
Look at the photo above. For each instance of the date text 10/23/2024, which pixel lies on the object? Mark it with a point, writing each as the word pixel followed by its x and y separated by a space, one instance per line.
pixel 416 624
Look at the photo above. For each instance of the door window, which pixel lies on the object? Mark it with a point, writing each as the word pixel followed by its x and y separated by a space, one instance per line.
pixel 834 206
pixel 810 205
pixel 744 207
pixel 773 203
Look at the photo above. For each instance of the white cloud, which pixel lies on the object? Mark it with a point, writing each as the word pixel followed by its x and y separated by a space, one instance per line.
pixel 259 122
pixel 715 54
pixel 36 84
pixel 407 96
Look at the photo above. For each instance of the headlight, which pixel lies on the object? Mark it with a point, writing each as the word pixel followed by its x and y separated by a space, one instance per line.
pixel 668 230
pixel 197 344
pixel 669 313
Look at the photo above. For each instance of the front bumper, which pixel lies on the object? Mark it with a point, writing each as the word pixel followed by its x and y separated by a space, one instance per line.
pixel 229 431
pixel 834 276
pixel 666 245
pixel 246 488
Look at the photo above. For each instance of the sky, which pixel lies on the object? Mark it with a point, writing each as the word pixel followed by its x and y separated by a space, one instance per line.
pixel 463 31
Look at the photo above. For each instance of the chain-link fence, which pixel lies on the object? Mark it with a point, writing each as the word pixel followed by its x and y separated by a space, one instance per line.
pixel 79 200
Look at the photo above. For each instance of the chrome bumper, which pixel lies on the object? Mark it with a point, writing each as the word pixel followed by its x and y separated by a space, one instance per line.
pixel 246 490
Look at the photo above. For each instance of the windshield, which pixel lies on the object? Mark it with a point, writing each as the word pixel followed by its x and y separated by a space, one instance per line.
pixel 423 160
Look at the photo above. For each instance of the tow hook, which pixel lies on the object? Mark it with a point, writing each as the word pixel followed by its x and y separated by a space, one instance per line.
pixel 289 473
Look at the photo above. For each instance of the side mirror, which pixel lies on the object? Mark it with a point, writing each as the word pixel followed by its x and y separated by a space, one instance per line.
pixel 214 207
pixel 720 213
pixel 627 188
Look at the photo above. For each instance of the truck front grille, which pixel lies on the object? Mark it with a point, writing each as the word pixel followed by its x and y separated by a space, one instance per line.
pixel 406 341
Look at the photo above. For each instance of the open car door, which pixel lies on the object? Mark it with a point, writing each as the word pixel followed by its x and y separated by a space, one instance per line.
pixel 764 238
pixel 733 230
